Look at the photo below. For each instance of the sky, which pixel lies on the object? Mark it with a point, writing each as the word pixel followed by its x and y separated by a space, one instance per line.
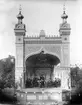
pixel 38 15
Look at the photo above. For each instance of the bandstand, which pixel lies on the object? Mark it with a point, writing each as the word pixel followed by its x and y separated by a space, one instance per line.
pixel 42 68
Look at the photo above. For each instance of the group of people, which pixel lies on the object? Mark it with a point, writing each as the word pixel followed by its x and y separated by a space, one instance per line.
pixel 42 83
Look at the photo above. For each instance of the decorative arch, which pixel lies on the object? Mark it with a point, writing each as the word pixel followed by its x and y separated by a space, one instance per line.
pixel 43 57
pixel 41 65
pixel 42 48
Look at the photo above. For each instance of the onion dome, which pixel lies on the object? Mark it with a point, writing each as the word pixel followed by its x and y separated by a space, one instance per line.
pixel 20 16
pixel 64 15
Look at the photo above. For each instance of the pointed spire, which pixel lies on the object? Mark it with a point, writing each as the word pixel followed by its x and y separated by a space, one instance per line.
pixel 64 7
pixel 64 15
pixel 20 16
pixel 20 8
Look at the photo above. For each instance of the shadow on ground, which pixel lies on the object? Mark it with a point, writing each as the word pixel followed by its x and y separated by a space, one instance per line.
pixel 7 99
pixel 76 98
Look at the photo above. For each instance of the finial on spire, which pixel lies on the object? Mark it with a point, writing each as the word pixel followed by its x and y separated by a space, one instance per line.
pixel 64 8
pixel 64 15
pixel 20 8
pixel 20 16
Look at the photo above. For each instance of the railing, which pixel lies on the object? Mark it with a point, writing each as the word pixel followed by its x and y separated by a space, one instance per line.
pixel 39 97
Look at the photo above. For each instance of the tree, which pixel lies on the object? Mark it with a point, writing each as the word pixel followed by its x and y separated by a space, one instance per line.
pixel 75 76
pixel 8 74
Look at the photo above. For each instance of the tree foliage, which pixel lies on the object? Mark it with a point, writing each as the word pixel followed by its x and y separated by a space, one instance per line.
pixel 7 72
pixel 76 77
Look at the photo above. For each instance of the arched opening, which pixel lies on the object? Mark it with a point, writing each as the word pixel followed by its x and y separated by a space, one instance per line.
pixel 39 70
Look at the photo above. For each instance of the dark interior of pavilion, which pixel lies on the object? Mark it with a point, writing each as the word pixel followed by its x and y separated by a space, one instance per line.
pixel 39 70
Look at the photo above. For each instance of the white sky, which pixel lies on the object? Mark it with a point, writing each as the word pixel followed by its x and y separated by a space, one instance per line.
pixel 41 14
